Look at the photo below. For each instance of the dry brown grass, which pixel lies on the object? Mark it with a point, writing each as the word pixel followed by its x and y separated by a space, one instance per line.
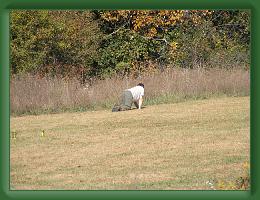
pixel 29 94
pixel 174 146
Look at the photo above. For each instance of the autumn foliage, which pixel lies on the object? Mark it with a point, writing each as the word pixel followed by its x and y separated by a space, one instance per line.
pixel 154 23
pixel 103 43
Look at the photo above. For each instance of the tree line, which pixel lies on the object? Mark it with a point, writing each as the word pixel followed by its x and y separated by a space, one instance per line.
pixel 104 43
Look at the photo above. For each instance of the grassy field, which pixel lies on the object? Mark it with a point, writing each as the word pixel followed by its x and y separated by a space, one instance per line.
pixel 170 146
pixel 34 95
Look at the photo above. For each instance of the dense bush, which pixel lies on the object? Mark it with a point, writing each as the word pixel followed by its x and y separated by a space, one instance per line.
pixel 184 39
pixel 121 53
pixel 101 43
pixel 53 42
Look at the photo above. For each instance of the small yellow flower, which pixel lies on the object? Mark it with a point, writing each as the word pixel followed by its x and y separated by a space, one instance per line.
pixel 14 134
pixel 42 133
pixel 174 45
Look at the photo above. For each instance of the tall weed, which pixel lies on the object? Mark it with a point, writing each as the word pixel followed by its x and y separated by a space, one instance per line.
pixel 31 94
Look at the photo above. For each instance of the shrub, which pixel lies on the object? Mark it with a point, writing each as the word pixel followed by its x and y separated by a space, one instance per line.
pixel 53 42
pixel 240 183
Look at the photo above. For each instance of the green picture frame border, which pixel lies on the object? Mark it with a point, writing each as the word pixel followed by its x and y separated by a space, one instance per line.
pixel 7 5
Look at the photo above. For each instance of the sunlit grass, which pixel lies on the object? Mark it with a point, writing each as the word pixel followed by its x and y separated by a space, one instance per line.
pixel 167 146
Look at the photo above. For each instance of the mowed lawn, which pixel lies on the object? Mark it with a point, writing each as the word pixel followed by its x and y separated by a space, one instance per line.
pixel 171 146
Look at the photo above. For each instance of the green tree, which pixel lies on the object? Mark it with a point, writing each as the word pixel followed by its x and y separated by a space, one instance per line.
pixel 30 40
pixel 184 38
pixel 53 42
